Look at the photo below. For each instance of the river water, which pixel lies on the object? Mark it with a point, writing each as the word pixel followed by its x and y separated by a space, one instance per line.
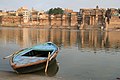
pixel 83 55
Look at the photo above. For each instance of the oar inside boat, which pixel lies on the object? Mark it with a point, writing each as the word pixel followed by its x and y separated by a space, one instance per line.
pixel 46 67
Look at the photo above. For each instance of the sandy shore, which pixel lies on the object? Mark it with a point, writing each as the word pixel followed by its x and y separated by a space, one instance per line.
pixel 9 75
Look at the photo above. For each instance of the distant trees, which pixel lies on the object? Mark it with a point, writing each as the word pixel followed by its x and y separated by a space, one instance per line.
pixel 55 11
pixel 119 10
pixel 108 15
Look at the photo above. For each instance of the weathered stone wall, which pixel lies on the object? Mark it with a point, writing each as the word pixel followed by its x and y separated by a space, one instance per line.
pixel 114 22
pixel 11 20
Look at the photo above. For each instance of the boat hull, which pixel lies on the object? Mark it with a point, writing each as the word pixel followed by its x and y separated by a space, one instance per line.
pixel 33 68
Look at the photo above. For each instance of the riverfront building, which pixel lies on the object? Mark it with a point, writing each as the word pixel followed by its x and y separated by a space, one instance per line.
pixel 83 19
pixel 23 11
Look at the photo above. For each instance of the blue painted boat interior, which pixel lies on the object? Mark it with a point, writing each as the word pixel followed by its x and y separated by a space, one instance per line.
pixel 35 53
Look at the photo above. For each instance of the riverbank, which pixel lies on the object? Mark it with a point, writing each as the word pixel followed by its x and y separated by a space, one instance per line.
pixel 84 27
pixel 39 26
pixel 9 25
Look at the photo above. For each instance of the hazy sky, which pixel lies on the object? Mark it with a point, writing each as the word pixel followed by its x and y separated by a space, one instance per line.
pixel 47 4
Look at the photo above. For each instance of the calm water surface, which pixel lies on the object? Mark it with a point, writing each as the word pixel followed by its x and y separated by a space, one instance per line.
pixel 84 54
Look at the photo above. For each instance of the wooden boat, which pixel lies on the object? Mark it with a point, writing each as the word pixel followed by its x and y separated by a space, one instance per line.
pixel 34 58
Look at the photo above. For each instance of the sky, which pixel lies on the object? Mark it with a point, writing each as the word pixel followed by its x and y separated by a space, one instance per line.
pixel 47 4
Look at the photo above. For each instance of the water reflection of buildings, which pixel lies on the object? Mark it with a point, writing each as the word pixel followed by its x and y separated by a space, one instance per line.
pixel 83 39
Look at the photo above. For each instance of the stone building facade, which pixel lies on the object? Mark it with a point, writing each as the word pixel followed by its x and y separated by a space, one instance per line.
pixel 85 18
pixel 11 20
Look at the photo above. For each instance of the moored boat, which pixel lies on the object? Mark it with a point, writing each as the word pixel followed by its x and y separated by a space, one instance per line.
pixel 34 58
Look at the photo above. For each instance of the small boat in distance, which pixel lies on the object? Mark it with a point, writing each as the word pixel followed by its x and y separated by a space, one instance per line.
pixel 34 58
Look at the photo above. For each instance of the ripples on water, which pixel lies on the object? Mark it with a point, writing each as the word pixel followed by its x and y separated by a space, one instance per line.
pixel 84 54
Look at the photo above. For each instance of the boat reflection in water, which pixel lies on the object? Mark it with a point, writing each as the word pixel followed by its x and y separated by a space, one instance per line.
pixel 51 71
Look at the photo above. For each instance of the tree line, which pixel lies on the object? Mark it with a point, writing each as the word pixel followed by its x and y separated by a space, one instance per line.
pixel 55 11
